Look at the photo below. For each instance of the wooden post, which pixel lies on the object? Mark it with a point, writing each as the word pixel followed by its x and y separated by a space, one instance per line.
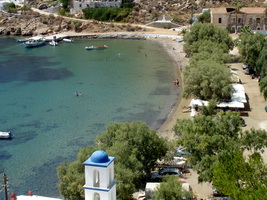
pixel 5 186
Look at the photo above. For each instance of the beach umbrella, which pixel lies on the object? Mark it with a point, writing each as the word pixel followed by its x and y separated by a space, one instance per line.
pixel 182 180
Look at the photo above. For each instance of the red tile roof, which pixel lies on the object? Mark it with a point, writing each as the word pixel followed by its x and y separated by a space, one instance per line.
pixel 253 10
pixel 218 10
pixel 248 10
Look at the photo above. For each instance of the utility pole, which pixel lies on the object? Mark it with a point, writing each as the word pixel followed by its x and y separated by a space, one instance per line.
pixel 5 186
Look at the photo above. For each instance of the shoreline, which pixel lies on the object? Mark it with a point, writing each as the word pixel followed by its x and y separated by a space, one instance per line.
pixel 173 46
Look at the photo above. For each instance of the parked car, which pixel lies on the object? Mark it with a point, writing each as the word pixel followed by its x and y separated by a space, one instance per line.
pixel 180 152
pixel 160 175
pixel 246 71
pixel 42 7
pixel 244 66
pixel 242 121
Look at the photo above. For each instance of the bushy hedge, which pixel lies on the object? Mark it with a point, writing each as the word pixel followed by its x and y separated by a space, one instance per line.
pixel 107 14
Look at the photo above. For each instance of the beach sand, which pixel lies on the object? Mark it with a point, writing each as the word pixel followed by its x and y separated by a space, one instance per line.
pixel 175 50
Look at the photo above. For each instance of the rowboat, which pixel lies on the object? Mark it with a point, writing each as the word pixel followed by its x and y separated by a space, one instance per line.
pixel 96 47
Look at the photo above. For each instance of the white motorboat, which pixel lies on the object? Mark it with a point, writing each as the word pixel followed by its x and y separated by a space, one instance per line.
pixel 67 40
pixel 5 135
pixel 53 43
pixel 22 40
pixel 34 42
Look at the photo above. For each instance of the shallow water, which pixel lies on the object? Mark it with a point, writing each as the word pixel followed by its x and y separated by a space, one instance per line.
pixel 131 80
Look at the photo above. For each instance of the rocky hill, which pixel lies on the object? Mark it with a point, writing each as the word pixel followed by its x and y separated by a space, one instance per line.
pixel 179 10
pixel 32 23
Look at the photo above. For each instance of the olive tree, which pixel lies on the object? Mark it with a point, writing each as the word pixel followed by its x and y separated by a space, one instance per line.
pixel 207 79
pixel 206 31
pixel 212 139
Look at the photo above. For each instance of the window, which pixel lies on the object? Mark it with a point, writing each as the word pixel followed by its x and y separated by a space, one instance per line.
pixel 96 179
pixel 96 196
pixel 258 20
pixel 220 20
pixel 233 20
pixel 250 20
pixel 239 20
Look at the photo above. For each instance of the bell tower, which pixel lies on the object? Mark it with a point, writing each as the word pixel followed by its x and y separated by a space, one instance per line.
pixel 99 177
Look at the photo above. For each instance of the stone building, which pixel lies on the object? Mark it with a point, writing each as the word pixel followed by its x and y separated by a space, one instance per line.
pixel 253 17
pixel 79 5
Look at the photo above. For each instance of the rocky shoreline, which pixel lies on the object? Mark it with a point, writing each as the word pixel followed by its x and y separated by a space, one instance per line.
pixel 31 25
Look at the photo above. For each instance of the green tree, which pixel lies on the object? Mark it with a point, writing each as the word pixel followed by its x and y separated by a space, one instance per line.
pixel 171 189
pixel 240 177
pixel 250 47
pixel 144 142
pixel 204 17
pixel 207 80
pixel 65 3
pixel 212 139
pixel 263 87
pixel 206 31
pixel 136 148
pixel 261 63
pixel 206 49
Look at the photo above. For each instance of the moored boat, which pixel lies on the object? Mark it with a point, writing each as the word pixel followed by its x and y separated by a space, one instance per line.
pixel 53 43
pixel 96 47
pixel 5 135
pixel 22 40
pixel 34 42
pixel 67 40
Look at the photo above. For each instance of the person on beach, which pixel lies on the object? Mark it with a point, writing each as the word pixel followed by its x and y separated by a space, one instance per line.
pixel 176 82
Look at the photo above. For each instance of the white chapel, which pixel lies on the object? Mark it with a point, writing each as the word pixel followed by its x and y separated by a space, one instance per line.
pixel 99 177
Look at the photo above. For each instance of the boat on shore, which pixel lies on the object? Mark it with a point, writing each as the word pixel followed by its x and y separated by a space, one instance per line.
pixel 96 47
pixel 5 135
pixel 34 42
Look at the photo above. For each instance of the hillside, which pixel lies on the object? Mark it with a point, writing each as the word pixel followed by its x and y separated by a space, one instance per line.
pixel 179 10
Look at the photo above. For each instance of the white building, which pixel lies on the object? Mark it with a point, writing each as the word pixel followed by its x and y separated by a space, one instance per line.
pixel 79 5
pixel 2 2
pixel 99 177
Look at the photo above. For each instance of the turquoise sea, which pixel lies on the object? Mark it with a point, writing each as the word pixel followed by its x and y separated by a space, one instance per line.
pixel 131 80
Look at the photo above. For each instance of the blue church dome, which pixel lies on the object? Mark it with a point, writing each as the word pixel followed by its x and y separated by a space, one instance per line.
pixel 99 157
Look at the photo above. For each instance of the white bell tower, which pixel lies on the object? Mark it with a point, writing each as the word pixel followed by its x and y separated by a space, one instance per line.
pixel 99 177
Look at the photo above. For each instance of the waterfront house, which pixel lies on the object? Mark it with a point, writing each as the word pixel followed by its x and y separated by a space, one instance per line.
pixel 79 5
pixel 235 19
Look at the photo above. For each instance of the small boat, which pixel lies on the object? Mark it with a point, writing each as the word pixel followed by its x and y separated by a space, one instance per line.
pixel 96 47
pixel 22 40
pixel 34 42
pixel 67 40
pixel 53 43
pixel 5 135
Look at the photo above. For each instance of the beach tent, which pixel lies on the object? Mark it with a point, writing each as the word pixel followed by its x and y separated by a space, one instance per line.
pixel 198 102
pixel 231 104
pixel 239 93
